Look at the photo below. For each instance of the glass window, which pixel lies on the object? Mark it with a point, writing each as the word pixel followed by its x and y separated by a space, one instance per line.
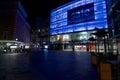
pixel 5 35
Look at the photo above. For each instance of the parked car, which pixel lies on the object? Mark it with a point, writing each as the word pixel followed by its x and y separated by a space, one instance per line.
pixel 3 51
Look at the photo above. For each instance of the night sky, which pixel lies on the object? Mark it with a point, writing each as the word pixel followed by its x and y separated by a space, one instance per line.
pixel 41 8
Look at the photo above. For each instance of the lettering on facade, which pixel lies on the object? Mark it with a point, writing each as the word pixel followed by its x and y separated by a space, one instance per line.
pixel 81 14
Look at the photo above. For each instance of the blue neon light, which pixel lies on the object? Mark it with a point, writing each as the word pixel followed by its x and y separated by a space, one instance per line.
pixel 65 19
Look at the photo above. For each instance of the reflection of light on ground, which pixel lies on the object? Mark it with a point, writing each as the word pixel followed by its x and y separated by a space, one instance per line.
pixel 12 54
pixel 67 49
pixel 80 53
pixel 46 53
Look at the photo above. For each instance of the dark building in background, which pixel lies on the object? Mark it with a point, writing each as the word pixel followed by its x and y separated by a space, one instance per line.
pixel 36 34
pixel 40 35
pixel 44 33
pixel 113 7
pixel 114 16
pixel 34 39
pixel 14 29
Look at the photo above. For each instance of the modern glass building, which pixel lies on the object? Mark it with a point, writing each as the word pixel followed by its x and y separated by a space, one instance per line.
pixel 75 21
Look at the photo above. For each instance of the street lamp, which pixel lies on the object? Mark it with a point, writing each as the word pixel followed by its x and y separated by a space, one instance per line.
pixel 16 39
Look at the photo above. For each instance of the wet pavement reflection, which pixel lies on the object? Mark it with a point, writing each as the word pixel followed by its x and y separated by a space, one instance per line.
pixel 15 66
pixel 63 65
pixel 47 65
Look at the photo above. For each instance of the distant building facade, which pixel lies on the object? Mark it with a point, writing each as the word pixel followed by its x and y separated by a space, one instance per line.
pixel 35 39
pixel 41 35
pixel 14 27
pixel 45 33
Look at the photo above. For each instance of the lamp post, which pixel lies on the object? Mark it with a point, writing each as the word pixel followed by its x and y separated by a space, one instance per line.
pixel 16 39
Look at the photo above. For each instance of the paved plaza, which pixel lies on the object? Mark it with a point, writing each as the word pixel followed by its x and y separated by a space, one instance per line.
pixel 47 65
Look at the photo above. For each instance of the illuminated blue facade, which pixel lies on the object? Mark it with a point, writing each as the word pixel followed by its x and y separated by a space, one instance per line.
pixel 78 15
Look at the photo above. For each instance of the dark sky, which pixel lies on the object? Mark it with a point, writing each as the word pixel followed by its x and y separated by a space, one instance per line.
pixel 40 8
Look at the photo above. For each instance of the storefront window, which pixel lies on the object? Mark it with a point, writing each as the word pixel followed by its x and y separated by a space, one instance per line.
pixel 66 37
pixel 83 36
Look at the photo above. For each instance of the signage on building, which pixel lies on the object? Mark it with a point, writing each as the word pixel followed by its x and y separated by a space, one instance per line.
pixel 81 14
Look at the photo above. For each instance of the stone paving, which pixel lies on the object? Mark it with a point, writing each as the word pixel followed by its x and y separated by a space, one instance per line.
pixel 47 65
pixel 15 66
pixel 63 65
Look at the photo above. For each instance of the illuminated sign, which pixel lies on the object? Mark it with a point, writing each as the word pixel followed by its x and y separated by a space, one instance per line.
pixel 81 14
pixel 13 47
